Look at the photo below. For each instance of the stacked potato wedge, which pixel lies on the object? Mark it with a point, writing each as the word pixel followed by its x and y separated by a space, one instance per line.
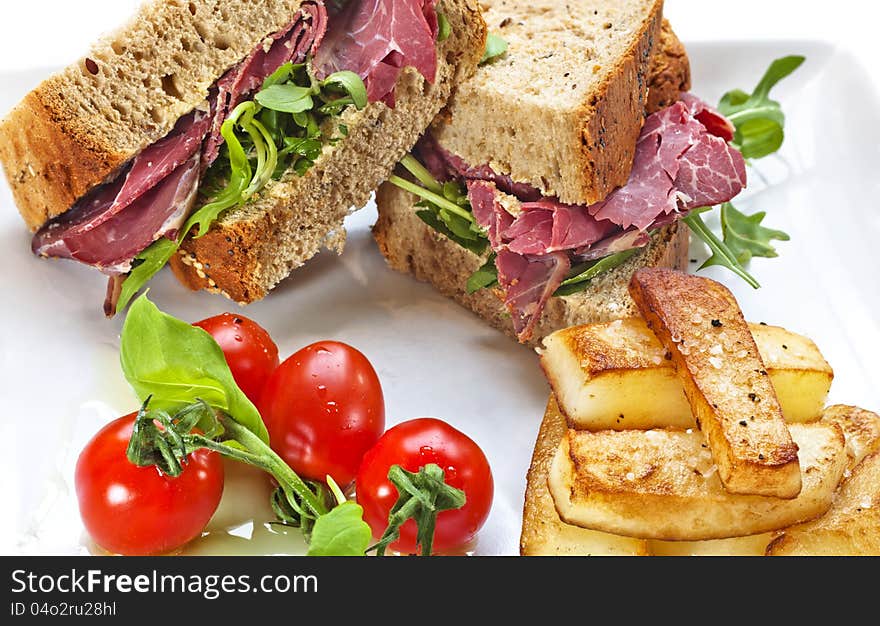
pixel 690 432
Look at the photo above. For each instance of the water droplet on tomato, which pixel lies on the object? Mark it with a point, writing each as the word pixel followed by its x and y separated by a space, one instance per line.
pixel 238 338
pixel 427 454
pixel 322 391
pixel 451 473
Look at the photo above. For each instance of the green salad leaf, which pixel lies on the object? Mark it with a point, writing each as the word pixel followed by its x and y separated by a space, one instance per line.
pixel 722 255
pixel 286 98
pixel 580 276
pixel 495 47
pixel 341 532
pixel 485 277
pixel 744 235
pixel 177 364
pixel 444 26
pixel 759 121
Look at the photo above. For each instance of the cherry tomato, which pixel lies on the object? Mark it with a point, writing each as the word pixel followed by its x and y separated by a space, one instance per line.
pixel 135 510
pixel 324 409
pixel 250 352
pixel 413 445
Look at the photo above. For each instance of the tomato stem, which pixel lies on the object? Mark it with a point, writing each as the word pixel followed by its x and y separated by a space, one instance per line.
pixel 259 454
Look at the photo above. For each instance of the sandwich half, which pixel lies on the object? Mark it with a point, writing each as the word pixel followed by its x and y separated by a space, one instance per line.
pixel 230 139
pixel 560 168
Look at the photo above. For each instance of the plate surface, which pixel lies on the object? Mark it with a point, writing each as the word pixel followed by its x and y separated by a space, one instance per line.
pixel 61 379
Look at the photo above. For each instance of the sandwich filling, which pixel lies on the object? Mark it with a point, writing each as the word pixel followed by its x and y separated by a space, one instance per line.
pixel 541 247
pixel 221 154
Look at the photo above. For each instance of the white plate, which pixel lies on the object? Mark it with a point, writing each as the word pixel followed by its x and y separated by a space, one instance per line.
pixel 61 379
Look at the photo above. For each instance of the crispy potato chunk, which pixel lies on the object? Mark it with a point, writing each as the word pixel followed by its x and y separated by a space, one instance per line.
pixel 615 376
pixel 754 545
pixel 664 484
pixel 726 383
pixel 543 533
pixel 850 528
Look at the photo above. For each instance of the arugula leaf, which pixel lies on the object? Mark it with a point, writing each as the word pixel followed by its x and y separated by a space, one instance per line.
pixel 759 121
pixel 145 266
pixel 495 47
pixel 177 364
pixel 744 235
pixel 721 254
pixel 444 26
pixel 485 277
pixel 350 83
pixel 432 219
pixel 580 276
pixel 341 532
pixel 286 98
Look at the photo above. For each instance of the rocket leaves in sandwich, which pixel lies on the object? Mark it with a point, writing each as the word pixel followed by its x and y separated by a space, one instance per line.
pixel 177 364
pixel 580 276
pixel 444 27
pixel 279 131
pixel 759 121
pixel 721 254
pixel 744 235
pixel 495 47
pixel 485 277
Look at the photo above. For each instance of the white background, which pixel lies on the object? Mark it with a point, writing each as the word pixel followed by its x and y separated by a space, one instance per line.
pixel 832 123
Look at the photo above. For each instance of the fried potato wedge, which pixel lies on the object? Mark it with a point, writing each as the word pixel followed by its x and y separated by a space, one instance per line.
pixel 850 528
pixel 663 484
pixel 615 376
pixel 725 380
pixel 861 429
pixel 754 545
pixel 543 533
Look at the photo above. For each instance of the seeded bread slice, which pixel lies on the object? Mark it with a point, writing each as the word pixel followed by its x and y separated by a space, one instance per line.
pixel 77 128
pixel 251 249
pixel 562 109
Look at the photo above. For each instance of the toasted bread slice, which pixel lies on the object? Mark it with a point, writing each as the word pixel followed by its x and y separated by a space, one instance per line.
pixel 850 528
pixel 616 376
pixel 562 109
pixel 663 484
pixel 725 380
pixel 543 533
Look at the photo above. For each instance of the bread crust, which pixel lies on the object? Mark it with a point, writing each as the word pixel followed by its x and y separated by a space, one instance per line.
pixel 80 126
pixel 249 251
pixel 576 151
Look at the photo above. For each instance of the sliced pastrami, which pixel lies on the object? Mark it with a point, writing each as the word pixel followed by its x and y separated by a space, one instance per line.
pixel 488 211
pixel 113 244
pixel 528 283
pixel 376 38
pixel 549 226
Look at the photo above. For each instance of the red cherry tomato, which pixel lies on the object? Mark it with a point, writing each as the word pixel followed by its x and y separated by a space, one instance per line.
pixel 413 445
pixel 135 510
pixel 324 409
pixel 250 352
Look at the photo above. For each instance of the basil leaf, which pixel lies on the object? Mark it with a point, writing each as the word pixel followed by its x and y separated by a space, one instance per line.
pixel 495 47
pixel 580 276
pixel 745 236
pixel 350 83
pixel 444 26
pixel 483 278
pixel 286 98
pixel 178 364
pixel 146 265
pixel 341 532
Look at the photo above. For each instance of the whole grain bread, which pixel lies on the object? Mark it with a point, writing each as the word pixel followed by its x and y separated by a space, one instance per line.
pixel 251 249
pixel 411 246
pixel 77 128
pixel 562 109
